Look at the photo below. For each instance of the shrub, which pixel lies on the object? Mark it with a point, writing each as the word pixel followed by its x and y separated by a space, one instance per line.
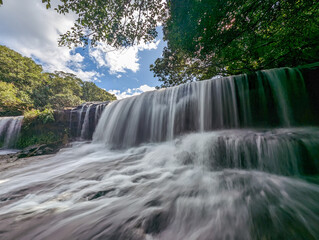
pixel 35 116
pixel 44 138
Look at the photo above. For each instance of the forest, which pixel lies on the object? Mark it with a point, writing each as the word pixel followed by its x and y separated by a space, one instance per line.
pixel 25 86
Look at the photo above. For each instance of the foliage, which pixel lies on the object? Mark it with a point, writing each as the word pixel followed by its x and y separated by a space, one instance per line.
pixel 8 95
pixel 214 37
pixel 23 86
pixel 91 92
pixel 58 90
pixel 36 116
pixel 119 23
pixel 60 100
pixel 205 38
pixel 46 116
pixel 23 72
pixel 178 67
pixel 26 140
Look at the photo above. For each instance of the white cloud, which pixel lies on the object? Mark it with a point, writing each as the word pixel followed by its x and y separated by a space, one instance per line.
pixel 30 29
pixel 120 60
pixel 131 91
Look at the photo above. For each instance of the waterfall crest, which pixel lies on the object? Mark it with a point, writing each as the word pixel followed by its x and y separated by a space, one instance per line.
pixel 267 98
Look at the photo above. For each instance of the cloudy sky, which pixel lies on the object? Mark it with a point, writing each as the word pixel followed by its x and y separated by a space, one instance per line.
pixel 27 27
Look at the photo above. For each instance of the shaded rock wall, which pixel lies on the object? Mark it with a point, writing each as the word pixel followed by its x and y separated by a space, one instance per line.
pixel 70 124
pixel 311 77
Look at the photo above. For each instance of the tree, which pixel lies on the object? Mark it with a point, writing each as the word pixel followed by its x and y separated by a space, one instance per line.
pixel 61 100
pixel 58 90
pixel 92 93
pixel 205 38
pixel 232 37
pixel 11 100
pixel 23 72
pixel 23 85
pixel 119 23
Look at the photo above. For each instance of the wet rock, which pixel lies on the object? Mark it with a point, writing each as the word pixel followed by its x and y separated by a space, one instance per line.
pixel 39 149
pixel 11 157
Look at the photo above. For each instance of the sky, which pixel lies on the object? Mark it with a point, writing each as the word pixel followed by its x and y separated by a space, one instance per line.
pixel 27 27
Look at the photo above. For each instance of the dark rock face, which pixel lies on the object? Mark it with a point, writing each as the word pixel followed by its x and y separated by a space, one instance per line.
pixel 79 123
pixel 83 119
pixel 310 74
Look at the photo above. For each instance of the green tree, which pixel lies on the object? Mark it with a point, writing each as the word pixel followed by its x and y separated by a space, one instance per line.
pixel 21 71
pixel 204 38
pixel 8 95
pixel 24 85
pixel 232 37
pixel 58 90
pixel 12 100
pixel 119 23
pixel 65 99
pixel 91 92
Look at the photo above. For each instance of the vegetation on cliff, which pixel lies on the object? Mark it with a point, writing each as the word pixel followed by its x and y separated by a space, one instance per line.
pixel 24 85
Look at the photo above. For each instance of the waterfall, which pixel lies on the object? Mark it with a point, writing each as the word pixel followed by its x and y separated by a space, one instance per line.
pixel 264 99
pixel 231 158
pixel 9 131
pixel 79 128
pixel 84 119
pixel 85 125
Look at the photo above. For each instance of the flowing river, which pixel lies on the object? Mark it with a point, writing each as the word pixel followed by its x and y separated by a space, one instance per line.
pixel 229 158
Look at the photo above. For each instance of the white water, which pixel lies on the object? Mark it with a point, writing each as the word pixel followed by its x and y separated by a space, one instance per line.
pixel 85 124
pixel 189 188
pixel 9 131
pixel 230 102
pixel 80 124
pixel 174 164
pixel 8 151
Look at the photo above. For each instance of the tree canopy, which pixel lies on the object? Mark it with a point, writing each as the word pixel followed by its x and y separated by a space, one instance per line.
pixel 205 38
pixel 24 85
pixel 213 37
pixel 120 23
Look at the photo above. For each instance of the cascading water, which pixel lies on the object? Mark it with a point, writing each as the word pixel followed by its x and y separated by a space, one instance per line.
pixel 264 99
pixel 9 131
pixel 84 119
pixel 227 158
pixel 85 125
pixel 80 120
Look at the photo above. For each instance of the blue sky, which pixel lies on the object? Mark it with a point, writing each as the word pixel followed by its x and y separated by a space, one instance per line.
pixel 30 29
